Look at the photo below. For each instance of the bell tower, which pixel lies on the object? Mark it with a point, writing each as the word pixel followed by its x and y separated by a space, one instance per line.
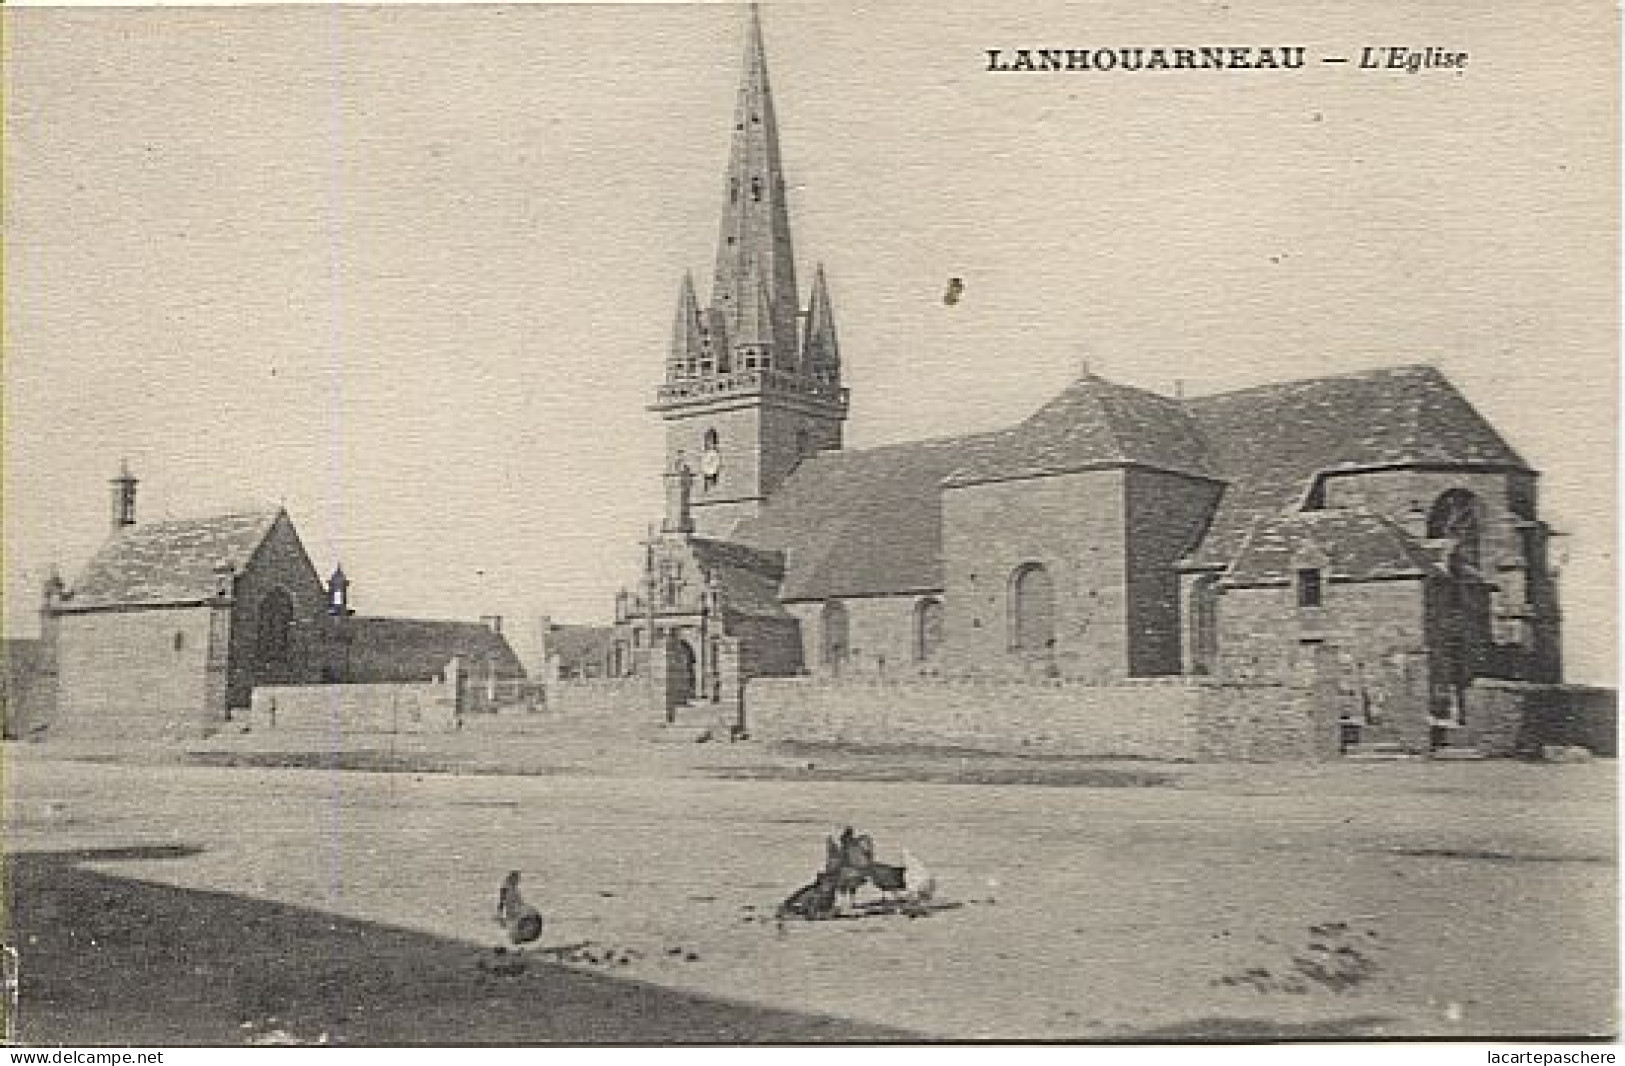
pixel 753 384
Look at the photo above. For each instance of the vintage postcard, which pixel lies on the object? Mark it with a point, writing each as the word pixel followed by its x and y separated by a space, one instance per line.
pixel 810 523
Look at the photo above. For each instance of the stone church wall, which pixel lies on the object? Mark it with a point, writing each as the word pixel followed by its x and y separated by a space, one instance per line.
pixel 1523 584
pixel 281 562
pixel 880 636
pixel 1073 525
pixel 1164 515
pixel 1264 633
pixel 133 673
pixel 1151 719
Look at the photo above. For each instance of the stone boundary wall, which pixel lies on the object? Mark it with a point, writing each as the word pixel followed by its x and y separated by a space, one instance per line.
pixel 427 707
pixel 1518 718
pixel 1162 718
pixel 618 697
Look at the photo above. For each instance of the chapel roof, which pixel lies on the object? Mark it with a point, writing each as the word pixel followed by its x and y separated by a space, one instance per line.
pixel 1273 442
pixel 171 561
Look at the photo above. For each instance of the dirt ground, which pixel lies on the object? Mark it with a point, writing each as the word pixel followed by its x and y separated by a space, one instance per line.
pixel 292 901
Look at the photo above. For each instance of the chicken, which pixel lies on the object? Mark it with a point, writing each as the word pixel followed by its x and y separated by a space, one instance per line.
pixel 925 883
pixel 813 901
pixel 521 921
pixel 849 862
pixel 891 880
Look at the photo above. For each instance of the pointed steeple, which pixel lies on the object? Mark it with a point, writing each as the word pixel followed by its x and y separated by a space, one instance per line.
pixel 821 355
pixel 754 245
pixel 686 339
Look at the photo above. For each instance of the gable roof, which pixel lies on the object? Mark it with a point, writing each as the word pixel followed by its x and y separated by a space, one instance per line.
pixel 862 523
pixel 170 561
pixel 1273 442
pixel 1350 544
pixel 1094 423
pixel 384 650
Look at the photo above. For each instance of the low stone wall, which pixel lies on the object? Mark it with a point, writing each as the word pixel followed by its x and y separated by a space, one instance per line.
pixel 1261 723
pixel 1172 718
pixel 616 697
pixel 1518 718
pixel 415 708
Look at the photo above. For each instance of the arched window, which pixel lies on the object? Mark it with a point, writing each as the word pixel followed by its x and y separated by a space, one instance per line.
pixel 1204 624
pixel 275 627
pixel 833 627
pixel 1032 610
pixel 1455 517
pixel 927 629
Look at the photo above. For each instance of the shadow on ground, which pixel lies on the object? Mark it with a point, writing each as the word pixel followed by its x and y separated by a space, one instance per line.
pixel 1262 1031
pixel 107 960
pixel 945 765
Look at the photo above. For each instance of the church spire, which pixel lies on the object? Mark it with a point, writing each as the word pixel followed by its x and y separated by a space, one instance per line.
pixel 754 249
pixel 821 355
pixel 686 341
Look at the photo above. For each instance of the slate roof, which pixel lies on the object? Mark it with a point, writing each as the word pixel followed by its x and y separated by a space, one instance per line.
pixel 399 650
pixel 1350 544
pixel 748 578
pixel 866 523
pixel 862 523
pixel 1094 423
pixel 1272 442
pixel 170 561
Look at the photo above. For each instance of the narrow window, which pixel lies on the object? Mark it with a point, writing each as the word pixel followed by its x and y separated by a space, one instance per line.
pixel 835 635
pixel 1310 592
pixel 1032 611
pixel 927 629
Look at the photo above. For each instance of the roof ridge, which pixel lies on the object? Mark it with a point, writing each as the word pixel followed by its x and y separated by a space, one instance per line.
pixel 266 512
pixel 1367 374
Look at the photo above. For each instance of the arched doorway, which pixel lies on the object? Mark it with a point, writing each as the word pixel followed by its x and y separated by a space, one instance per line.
pixel 682 674
pixel 1032 611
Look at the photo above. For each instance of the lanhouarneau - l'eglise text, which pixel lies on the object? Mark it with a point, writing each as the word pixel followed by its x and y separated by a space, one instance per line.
pixel 1213 57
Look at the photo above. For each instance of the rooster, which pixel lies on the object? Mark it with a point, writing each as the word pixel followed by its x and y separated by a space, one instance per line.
pixel 521 921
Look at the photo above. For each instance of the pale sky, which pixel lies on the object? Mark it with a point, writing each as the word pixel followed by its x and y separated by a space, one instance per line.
pixel 411 271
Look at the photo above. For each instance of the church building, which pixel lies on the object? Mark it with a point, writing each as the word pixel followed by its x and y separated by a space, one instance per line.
pixel 1369 533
